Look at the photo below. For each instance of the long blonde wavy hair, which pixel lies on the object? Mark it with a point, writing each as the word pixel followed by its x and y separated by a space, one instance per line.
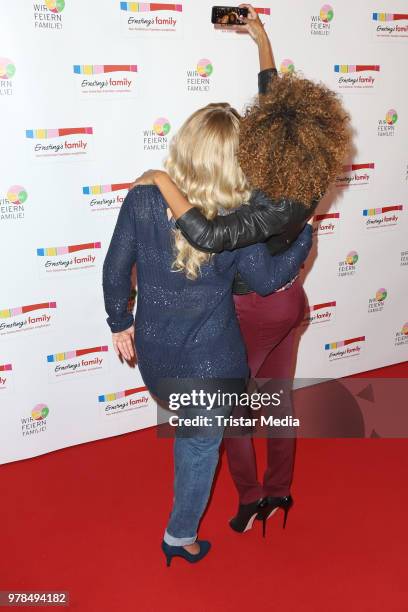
pixel 203 163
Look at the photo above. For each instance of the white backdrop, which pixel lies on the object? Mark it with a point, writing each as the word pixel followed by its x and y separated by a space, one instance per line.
pixel 90 93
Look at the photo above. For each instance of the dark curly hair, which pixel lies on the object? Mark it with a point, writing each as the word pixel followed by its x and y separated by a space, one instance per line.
pixel 294 139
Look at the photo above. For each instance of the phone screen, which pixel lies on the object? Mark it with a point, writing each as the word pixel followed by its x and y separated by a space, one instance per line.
pixel 228 15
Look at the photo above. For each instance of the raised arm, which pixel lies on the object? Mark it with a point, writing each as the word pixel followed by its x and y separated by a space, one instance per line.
pixel 117 268
pixel 265 274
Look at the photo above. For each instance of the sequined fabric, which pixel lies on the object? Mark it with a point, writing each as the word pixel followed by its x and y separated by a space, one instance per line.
pixel 184 328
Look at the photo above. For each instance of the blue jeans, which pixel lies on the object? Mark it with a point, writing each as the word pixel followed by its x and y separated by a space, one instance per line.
pixel 195 460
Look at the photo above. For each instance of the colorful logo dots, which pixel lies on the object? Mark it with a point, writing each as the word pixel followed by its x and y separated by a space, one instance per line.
pixel 287 65
pixel 352 258
pixel 205 68
pixel 326 13
pixel 391 116
pixel 381 294
pixel 16 194
pixel 161 126
pixel 404 329
pixel 55 6
pixel 39 412
pixel 7 68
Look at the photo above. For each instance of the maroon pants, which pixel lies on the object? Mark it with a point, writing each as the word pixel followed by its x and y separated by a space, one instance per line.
pixel 268 327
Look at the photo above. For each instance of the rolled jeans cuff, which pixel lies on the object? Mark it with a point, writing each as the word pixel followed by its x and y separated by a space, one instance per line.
pixel 172 541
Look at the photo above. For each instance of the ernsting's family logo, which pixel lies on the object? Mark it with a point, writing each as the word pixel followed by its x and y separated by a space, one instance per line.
pixel 348 267
pixel 59 142
pixel 47 15
pixel 156 139
pixel 381 218
pixel 320 25
pixel 7 72
pixel 6 373
pixel 376 304
pixel 123 402
pixel 387 127
pixel 148 19
pixel 12 206
pixel 105 197
pixel 36 423
pixel 354 175
pixel 401 336
pixel 106 79
pixel 320 313
pixel 75 257
pixel 343 349
pixel 80 361
pixel 326 225
pixel 390 25
pixel 199 78
pixel 27 318
pixel 356 77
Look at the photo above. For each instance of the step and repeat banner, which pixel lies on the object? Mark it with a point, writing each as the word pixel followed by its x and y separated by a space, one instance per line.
pixel 91 93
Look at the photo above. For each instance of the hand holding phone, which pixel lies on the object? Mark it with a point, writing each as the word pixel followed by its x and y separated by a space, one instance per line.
pixel 227 16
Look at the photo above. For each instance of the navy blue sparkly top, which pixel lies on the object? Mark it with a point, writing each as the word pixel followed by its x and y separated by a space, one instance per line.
pixel 184 328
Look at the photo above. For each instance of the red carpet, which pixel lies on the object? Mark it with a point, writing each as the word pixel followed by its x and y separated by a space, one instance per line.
pixel 89 520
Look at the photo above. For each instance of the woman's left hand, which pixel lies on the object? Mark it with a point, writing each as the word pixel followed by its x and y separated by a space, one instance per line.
pixel 124 343
pixel 147 178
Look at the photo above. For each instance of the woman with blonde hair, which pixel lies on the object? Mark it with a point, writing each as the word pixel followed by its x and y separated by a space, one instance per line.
pixel 186 328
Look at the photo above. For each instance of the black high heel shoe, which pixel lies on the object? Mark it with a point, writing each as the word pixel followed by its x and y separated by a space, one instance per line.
pixel 246 515
pixel 272 505
pixel 180 551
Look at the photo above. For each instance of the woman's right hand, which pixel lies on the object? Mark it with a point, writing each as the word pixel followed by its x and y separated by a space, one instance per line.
pixel 124 343
pixel 253 25
pixel 147 178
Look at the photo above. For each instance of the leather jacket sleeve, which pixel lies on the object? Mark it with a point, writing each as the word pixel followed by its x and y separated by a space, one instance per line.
pixel 261 219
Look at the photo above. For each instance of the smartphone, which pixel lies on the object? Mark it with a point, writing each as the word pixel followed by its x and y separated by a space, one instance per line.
pixel 228 15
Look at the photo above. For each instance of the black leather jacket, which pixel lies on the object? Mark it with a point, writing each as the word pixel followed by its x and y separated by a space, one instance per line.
pixel 278 222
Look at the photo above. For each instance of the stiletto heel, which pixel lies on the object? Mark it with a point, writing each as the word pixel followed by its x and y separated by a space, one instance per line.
pixel 285 516
pixel 180 551
pixel 246 515
pixel 272 505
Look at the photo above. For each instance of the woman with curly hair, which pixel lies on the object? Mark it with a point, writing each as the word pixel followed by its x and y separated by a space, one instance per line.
pixel 293 140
